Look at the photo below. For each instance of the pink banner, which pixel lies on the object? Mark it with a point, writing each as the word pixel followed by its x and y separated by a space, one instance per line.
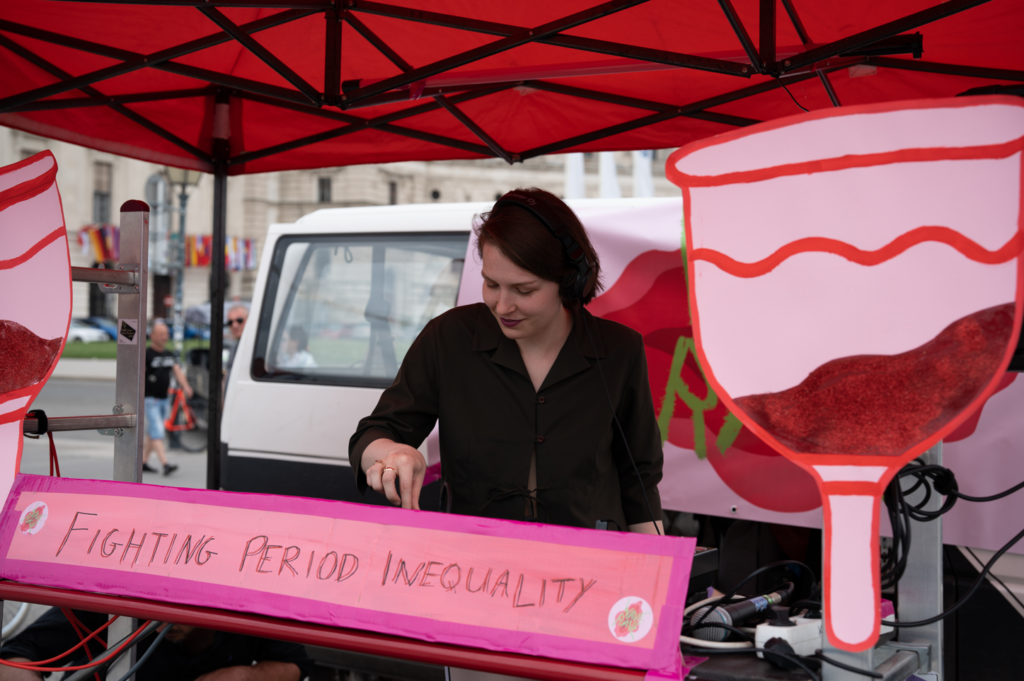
pixel 605 598
pixel 713 464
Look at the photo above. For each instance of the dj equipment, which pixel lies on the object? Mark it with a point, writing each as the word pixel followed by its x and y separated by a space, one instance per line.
pixel 733 614
pixel 560 232
pixel 803 634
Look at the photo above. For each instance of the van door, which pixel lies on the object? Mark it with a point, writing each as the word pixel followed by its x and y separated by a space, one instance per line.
pixel 337 316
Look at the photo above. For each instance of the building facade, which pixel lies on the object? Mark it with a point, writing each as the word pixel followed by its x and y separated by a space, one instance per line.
pixel 94 184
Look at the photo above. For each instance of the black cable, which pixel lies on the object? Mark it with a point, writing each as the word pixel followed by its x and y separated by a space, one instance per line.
pixel 1007 590
pixel 818 655
pixel 930 479
pixel 755 573
pixel 795 659
pixel 728 627
pixel 806 605
pixel 109 657
pixel 146 655
pixel 899 518
pixel 1016 488
pixel 970 592
pixel 615 417
pixel 792 97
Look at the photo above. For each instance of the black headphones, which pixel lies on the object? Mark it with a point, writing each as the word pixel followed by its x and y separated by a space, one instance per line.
pixel 548 219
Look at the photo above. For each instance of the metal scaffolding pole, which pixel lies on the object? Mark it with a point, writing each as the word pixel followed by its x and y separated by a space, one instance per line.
pixel 131 370
pixel 221 151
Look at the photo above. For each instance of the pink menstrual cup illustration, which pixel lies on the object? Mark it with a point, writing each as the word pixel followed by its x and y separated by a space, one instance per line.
pixel 877 251
pixel 35 295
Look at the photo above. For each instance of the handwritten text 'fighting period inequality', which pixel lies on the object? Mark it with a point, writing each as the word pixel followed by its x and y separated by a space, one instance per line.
pixel 260 555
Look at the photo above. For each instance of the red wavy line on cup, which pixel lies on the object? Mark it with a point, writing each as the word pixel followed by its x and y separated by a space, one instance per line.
pixel 30 187
pixel 815 244
pixel 39 245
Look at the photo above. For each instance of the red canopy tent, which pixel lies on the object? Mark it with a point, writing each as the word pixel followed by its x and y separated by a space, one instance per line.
pixel 315 83
pixel 247 86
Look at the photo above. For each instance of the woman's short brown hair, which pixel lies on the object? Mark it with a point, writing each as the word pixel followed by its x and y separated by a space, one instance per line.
pixel 522 238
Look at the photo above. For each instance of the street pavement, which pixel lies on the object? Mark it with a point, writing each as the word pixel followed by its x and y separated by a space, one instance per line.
pixel 87 454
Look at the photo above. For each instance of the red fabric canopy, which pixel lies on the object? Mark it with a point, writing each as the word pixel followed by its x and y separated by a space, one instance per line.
pixel 627 74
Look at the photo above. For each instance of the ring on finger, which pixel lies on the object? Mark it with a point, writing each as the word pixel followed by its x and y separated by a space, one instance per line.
pixel 389 468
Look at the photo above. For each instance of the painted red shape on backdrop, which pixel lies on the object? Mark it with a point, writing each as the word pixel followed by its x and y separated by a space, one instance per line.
pixel 27 357
pixel 651 297
pixel 967 428
pixel 836 408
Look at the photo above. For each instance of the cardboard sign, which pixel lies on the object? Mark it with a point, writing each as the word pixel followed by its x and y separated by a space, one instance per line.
pixel 604 598
pixel 878 249
pixel 33 328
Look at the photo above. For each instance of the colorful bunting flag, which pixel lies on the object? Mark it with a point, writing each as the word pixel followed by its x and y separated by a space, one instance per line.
pixel 102 241
pixel 239 254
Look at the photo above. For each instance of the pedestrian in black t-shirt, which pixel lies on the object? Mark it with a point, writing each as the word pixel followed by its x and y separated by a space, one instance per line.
pixel 160 365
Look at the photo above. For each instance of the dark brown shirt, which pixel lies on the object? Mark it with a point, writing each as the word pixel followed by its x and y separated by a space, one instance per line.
pixel 464 371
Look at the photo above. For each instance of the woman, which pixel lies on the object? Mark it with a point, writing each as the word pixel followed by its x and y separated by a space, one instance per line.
pixel 526 428
pixel 294 354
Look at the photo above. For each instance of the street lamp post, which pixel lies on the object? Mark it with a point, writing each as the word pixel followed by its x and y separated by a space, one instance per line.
pixel 184 179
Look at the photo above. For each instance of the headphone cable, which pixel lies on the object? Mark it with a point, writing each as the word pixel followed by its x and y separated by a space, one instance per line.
pixel 615 417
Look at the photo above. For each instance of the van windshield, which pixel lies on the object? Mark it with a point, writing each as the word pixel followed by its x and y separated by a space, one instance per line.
pixel 343 310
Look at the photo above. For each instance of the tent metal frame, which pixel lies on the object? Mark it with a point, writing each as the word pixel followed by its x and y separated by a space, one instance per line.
pixel 874 46
pixel 337 100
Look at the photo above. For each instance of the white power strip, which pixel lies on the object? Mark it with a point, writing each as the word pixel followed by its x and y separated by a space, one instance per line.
pixel 804 637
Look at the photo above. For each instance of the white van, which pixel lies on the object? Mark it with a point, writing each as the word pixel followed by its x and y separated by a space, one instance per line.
pixel 340 296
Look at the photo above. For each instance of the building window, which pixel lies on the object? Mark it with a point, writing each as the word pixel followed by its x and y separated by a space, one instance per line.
pixel 393 193
pixel 102 173
pixel 435 195
pixel 28 153
pixel 323 194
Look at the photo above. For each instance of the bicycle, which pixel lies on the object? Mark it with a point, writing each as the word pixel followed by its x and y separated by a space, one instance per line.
pixel 181 418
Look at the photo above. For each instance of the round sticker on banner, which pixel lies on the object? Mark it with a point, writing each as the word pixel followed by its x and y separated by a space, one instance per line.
pixel 33 518
pixel 630 619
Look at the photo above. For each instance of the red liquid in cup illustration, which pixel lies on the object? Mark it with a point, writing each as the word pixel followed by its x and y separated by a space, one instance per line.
pixel 35 295
pixel 878 251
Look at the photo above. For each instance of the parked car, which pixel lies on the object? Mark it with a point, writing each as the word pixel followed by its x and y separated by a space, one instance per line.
pixel 83 332
pixel 107 325
pixel 196 331
pixel 323 274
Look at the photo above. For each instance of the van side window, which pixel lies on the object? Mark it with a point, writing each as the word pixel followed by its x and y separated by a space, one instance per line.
pixel 344 309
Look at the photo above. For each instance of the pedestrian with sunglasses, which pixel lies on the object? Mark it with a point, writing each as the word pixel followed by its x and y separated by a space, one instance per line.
pixel 237 316
pixel 236 319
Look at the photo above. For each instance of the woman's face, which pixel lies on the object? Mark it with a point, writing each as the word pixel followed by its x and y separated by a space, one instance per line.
pixel 523 303
pixel 290 346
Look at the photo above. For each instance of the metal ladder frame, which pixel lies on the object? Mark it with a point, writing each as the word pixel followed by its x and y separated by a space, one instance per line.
pixel 126 423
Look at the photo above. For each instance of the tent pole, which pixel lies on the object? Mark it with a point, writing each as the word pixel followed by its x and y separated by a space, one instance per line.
pixel 221 149
pixel 766 44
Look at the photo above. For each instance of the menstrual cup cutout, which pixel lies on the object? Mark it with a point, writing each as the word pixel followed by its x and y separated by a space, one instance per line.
pixel 35 295
pixel 878 250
